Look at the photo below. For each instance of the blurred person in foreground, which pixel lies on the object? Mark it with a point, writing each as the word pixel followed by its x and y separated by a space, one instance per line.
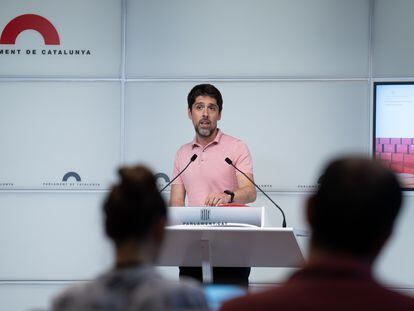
pixel 135 215
pixel 351 216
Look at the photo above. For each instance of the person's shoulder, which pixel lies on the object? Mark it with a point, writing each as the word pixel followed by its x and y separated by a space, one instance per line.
pixel 236 148
pixel 187 288
pixel 393 298
pixel 251 301
pixel 73 297
pixel 185 148
pixel 231 139
pixel 170 294
pixel 81 296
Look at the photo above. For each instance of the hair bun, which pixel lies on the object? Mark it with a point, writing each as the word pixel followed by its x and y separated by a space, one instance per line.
pixel 136 180
pixel 133 205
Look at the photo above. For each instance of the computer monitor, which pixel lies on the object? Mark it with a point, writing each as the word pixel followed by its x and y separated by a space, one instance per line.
pixel 393 141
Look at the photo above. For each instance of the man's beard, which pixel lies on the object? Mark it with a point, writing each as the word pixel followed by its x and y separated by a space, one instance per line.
pixel 204 132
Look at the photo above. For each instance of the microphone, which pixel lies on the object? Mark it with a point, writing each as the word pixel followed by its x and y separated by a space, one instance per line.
pixel 191 160
pixel 230 162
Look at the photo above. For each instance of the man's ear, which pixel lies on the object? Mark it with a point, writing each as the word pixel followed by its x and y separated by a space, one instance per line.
pixel 190 116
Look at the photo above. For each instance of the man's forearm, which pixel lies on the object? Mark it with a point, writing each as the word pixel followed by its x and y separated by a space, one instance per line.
pixel 245 195
pixel 176 203
pixel 177 195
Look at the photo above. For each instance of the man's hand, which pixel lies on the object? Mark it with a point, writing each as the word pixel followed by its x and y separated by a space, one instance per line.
pixel 215 199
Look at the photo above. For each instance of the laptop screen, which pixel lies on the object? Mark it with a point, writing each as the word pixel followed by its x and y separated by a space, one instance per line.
pixel 217 294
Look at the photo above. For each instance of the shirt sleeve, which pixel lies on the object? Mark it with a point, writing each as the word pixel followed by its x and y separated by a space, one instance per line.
pixel 243 159
pixel 177 168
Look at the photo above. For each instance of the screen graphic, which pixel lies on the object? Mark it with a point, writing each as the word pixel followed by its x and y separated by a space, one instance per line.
pixel 394 128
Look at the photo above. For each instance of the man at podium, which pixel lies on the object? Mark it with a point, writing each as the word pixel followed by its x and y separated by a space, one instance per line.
pixel 209 180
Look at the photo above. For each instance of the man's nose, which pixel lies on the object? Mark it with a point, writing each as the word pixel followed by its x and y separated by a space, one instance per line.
pixel 205 112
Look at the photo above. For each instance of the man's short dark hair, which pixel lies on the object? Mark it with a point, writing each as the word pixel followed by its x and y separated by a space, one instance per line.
pixel 133 205
pixel 355 206
pixel 205 90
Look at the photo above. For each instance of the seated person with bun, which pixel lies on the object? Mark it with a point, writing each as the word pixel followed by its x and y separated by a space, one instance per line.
pixel 135 215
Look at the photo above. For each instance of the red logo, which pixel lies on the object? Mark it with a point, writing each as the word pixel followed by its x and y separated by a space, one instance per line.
pixel 30 21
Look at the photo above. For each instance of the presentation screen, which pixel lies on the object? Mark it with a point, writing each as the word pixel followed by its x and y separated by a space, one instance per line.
pixel 394 128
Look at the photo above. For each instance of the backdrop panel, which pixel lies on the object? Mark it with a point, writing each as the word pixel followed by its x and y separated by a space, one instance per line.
pixel 234 38
pixel 393 39
pixel 59 135
pixel 52 236
pixel 60 38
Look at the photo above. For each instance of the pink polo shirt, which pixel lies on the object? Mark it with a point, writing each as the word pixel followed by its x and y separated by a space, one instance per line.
pixel 209 173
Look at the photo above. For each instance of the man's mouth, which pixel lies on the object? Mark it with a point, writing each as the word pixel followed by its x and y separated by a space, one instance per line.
pixel 205 123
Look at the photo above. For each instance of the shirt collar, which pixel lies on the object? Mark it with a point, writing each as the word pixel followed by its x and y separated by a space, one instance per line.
pixel 216 140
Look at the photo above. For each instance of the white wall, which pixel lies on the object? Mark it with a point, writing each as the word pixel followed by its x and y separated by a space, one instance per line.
pixel 296 79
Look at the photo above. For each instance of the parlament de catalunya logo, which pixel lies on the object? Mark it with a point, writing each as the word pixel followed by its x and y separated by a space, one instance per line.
pixel 44 27
pixel 71 180
pixel 161 179
pixel 6 185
